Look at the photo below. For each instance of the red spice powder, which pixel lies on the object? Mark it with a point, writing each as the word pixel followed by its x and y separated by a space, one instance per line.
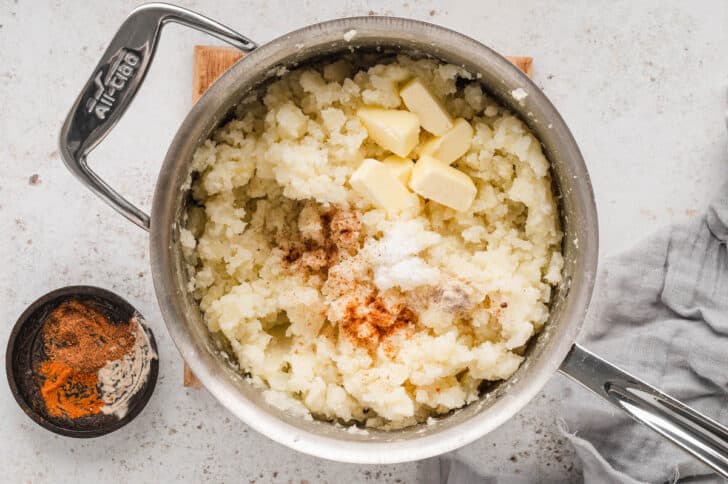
pixel 367 323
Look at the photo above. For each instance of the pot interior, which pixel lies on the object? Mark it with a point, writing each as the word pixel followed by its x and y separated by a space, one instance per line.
pixel 208 354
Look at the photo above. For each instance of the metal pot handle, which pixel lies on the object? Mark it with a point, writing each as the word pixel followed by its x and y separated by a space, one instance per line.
pixel 114 83
pixel 704 438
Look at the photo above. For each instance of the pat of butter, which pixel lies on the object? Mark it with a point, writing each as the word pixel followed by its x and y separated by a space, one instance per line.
pixel 451 145
pixel 433 116
pixel 395 130
pixel 377 183
pixel 400 167
pixel 444 184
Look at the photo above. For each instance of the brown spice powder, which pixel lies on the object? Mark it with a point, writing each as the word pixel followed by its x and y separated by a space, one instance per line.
pixel 367 322
pixel 341 235
pixel 82 338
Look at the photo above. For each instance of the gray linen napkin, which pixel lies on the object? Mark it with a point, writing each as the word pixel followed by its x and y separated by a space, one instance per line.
pixel 660 311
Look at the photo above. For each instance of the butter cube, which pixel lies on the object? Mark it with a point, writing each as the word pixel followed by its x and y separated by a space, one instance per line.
pixel 451 145
pixel 433 179
pixel 377 183
pixel 433 116
pixel 395 130
pixel 400 167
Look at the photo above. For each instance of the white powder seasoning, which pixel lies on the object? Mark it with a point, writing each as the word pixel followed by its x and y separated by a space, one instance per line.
pixel 120 380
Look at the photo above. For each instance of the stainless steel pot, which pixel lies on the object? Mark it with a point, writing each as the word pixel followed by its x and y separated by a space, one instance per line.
pixel 109 92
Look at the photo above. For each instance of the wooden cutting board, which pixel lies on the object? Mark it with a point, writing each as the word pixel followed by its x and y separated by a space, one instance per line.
pixel 211 61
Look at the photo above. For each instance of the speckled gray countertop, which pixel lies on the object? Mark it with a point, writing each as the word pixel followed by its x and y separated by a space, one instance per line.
pixel 643 89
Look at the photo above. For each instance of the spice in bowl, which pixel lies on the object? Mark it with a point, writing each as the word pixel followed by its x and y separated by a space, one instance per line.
pixel 81 361
pixel 93 366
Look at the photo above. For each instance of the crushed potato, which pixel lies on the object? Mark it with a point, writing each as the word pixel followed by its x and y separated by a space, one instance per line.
pixel 358 305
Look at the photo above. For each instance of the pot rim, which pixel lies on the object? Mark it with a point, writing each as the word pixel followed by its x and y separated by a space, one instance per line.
pixel 207 368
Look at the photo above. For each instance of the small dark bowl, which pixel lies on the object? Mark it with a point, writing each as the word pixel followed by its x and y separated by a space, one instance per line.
pixel 25 344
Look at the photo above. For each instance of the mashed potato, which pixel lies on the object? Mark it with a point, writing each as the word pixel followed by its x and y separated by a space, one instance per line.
pixel 338 309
